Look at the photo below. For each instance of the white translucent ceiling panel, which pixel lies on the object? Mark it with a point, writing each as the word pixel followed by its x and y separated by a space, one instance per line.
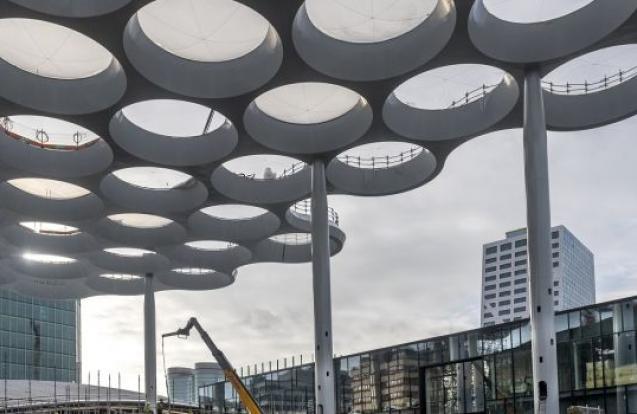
pixel 307 103
pixel 532 11
pixel 50 189
pixel 203 30
pixel 50 50
pixel 368 21
pixel 234 211
pixel 140 221
pixel 50 229
pixel 47 258
pixel 210 245
pixel 128 251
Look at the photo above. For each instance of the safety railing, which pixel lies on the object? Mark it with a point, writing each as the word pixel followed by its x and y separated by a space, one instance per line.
pixel 42 138
pixel 473 95
pixel 295 239
pixel 381 162
pixel 291 170
pixel 608 81
pixel 304 209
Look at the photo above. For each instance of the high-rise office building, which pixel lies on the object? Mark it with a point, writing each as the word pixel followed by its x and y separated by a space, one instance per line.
pixel 505 275
pixel 39 339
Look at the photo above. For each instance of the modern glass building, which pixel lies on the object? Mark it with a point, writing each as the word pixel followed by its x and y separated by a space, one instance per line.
pixel 486 370
pixel 181 385
pixel 39 339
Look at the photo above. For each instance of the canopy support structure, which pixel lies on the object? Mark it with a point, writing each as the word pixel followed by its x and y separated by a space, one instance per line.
pixel 325 390
pixel 150 343
pixel 541 306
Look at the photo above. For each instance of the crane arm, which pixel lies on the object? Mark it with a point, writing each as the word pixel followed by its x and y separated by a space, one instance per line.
pixel 244 394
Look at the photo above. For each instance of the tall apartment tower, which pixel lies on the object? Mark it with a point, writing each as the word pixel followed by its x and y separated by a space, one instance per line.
pixel 505 275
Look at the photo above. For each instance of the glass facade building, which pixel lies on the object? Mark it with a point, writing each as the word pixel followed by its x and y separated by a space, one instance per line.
pixel 487 370
pixel 39 339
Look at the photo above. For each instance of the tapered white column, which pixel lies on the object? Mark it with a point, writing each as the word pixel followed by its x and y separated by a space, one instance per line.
pixel 325 389
pixel 541 309
pixel 150 344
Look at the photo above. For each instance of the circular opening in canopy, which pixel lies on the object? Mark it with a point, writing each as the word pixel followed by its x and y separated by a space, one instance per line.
pixel 47 258
pixel 153 178
pixel 120 276
pixel 449 87
pixel 533 11
pixel 296 239
pixel 49 189
pixel 194 271
pixel 48 133
pixel 50 229
pixel 203 30
pixel 380 155
pixel 264 167
pixel 234 211
pixel 368 21
pixel 307 103
pixel 51 50
pixel 128 251
pixel 173 118
pixel 140 221
pixel 594 72
pixel 211 245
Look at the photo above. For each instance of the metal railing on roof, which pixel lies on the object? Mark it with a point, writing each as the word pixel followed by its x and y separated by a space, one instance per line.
pixel 291 170
pixel 294 239
pixel 380 162
pixel 304 208
pixel 41 138
pixel 608 81
pixel 474 95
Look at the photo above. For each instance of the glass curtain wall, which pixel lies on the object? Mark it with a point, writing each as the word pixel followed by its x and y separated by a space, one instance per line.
pixel 38 339
pixel 486 370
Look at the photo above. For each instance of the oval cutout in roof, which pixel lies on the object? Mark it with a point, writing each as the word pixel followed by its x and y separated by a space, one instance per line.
pixel 173 118
pixel 203 30
pixel 368 21
pixel 533 11
pixel 49 189
pixel 50 50
pixel 307 103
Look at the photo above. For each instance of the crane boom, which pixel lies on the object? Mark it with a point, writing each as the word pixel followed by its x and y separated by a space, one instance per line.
pixel 245 396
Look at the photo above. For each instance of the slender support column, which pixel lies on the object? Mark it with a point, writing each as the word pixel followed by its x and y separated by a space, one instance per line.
pixel 150 345
pixel 324 368
pixel 541 309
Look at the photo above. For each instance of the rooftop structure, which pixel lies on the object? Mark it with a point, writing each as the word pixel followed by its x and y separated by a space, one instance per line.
pixel 129 203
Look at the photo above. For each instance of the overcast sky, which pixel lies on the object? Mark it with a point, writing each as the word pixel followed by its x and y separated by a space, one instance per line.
pixel 411 267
